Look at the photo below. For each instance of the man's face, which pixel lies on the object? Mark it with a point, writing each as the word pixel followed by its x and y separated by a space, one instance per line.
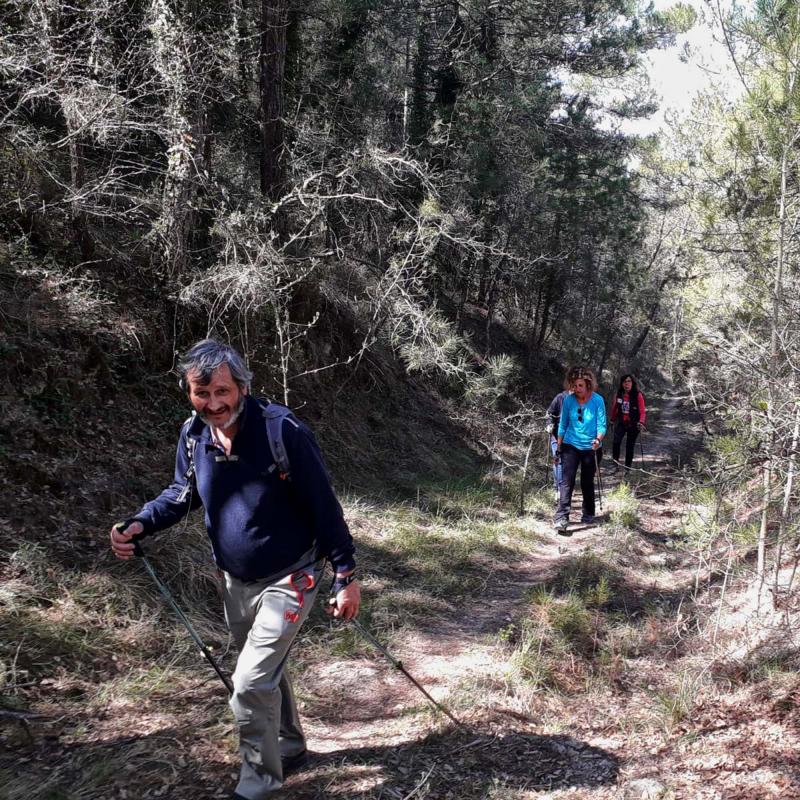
pixel 218 402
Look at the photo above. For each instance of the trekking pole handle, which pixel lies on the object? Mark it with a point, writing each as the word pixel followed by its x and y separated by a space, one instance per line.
pixel 135 540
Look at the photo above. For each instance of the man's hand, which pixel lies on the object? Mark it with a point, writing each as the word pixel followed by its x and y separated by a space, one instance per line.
pixel 121 542
pixel 346 603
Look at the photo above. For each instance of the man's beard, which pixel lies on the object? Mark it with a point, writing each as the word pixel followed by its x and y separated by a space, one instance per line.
pixel 234 415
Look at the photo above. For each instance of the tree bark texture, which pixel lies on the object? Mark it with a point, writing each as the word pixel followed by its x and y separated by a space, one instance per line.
pixel 79 221
pixel 775 321
pixel 272 63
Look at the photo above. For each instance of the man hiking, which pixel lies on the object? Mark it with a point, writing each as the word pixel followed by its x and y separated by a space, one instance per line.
pixel 271 532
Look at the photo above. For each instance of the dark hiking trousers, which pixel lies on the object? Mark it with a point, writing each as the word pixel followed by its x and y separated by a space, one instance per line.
pixel 571 459
pixel 620 430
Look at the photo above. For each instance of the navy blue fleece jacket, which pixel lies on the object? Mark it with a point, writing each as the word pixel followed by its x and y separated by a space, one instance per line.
pixel 258 524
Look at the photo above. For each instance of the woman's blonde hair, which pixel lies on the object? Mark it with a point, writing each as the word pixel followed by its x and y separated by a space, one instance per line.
pixel 581 373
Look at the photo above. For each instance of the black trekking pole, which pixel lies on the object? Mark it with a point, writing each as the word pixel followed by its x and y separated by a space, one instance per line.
pixel 599 481
pixel 399 665
pixel 549 465
pixel 548 460
pixel 641 446
pixel 139 552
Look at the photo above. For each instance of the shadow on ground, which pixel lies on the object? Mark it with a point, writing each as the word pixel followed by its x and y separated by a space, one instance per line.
pixel 457 765
pixel 174 763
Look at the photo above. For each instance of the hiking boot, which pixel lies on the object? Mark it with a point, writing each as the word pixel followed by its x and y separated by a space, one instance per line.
pixel 295 763
pixel 290 764
pixel 561 527
pixel 589 519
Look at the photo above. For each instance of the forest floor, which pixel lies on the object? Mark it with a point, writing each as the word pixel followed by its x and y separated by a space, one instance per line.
pixel 590 666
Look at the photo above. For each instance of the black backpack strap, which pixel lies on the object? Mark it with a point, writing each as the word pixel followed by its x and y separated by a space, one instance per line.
pixel 275 414
pixel 188 476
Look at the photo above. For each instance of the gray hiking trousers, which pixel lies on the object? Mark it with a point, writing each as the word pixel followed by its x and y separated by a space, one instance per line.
pixel 264 618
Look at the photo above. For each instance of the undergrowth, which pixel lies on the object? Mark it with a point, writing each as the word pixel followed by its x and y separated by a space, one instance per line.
pixel 98 636
pixel 92 645
pixel 624 506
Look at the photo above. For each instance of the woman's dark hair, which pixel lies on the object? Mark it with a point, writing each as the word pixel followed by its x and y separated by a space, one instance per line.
pixel 634 388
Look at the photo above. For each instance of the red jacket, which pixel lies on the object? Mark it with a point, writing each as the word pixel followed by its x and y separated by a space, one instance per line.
pixel 630 415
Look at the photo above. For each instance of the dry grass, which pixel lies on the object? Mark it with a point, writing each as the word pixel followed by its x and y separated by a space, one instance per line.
pixel 576 672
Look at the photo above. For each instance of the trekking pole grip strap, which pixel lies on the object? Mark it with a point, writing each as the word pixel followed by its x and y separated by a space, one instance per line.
pixel 339 583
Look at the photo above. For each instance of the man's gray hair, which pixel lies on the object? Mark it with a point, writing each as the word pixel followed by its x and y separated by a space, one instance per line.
pixel 208 355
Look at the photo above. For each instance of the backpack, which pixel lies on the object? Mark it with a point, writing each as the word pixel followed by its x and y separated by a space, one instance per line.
pixel 274 415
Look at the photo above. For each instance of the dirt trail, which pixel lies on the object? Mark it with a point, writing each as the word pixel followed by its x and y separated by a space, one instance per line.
pixel 462 660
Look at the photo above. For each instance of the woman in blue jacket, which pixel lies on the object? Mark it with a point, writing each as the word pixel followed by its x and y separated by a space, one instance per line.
pixel 580 439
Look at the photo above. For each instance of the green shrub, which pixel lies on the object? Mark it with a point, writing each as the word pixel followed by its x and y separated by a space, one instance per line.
pixel 624 506
pixel 571 620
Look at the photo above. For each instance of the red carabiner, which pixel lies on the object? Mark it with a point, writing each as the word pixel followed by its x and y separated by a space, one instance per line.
pixel 300 582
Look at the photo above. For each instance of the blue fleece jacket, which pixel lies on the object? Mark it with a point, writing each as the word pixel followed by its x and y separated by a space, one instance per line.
pixel 259 525
pixel 580 429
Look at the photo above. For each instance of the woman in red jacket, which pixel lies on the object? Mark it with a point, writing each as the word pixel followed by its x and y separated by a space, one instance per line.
pixel 628 415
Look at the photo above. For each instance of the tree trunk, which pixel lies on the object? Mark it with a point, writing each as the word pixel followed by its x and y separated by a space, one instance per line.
pixel 244 65
pixel 78 219
pixel 272 68
pixel 184 160
pixel 671 275
pixel 548 304
pixel 777 289
pixel 787 496
pixel 606 349
pixel 419 114
pixel 651 316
